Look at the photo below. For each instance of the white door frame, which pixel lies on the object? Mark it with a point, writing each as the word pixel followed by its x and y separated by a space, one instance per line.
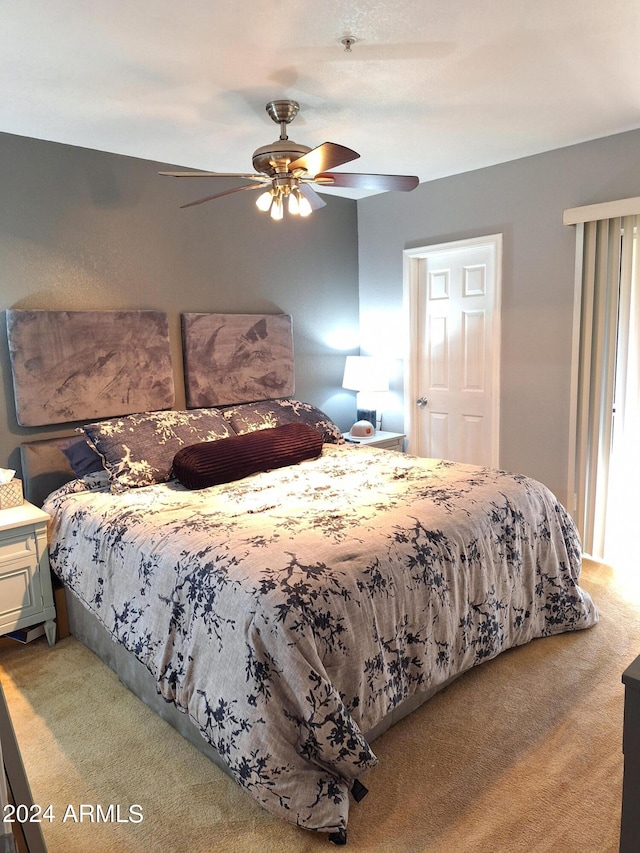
pixel 412 259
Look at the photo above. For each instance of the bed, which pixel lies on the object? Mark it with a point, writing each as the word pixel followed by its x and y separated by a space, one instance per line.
pixel 284 618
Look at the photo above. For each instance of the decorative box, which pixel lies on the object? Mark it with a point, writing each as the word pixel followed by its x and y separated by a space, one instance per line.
pixel 11 494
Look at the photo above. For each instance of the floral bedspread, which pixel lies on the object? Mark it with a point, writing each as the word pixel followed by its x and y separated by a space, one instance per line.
pixel 289 612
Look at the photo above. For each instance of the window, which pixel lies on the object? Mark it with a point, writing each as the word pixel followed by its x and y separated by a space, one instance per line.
pixel 603 462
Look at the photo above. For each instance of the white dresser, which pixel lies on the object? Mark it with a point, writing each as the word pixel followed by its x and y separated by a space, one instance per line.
pixel 26 596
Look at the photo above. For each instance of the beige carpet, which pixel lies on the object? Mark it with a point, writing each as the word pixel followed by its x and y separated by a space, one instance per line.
pixel 522 754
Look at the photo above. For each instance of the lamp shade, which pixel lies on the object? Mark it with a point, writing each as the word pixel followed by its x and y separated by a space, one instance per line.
pixel 365 373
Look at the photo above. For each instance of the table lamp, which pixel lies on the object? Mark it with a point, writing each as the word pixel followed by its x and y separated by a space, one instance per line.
pixel 368 376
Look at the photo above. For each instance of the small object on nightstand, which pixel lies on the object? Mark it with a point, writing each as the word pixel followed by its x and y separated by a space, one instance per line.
pixel 26 595
pixel 362 429
pixel 382 438
pixel 10 489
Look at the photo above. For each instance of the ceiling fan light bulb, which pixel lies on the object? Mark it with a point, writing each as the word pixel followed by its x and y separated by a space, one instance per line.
pixel 304 208
pixel 277 210
pixel 294 204
pixel 263 202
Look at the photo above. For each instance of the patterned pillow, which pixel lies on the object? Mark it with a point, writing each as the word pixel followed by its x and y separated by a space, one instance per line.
pixel 138 450
pixel 213 462
pixel 249 417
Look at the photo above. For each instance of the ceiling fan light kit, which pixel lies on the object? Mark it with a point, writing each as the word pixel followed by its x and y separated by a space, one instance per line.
pixel 285 171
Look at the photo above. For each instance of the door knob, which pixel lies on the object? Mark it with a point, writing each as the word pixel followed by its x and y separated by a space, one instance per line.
pixel 422 402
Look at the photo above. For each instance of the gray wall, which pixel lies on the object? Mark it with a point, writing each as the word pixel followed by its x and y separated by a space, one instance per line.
pixel 524 200
pixel 82 229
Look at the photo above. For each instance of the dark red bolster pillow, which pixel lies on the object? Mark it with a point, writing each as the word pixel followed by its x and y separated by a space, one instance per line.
pixel 210 463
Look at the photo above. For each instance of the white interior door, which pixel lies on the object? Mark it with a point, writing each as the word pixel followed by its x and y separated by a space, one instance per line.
pixel 453 379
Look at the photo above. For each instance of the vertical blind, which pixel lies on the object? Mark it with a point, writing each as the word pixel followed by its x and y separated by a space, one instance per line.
pixel 606 377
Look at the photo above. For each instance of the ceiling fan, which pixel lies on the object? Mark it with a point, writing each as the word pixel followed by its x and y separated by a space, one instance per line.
pixel 286 170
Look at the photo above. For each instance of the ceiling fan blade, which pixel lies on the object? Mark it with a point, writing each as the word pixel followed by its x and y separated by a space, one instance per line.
pixel 324 157
pixel 219 195
pixel 311 196
pixel 382 183
pixel 252 177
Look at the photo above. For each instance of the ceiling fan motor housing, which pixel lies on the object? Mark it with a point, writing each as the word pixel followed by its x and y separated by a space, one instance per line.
pixel 275 157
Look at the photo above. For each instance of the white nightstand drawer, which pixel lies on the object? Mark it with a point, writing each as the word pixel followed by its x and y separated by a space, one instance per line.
pixel 20 546
pixel 20 595
pixel 26 596
pixel 389 443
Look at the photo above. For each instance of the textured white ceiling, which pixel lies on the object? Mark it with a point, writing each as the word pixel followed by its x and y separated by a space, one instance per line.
pixel 431 87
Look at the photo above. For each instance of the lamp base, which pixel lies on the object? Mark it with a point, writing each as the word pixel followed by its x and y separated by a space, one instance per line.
pixel 367 415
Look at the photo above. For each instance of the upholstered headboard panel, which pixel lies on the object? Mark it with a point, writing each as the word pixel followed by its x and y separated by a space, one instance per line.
pixel 71 366
pixel 85 365
pixel 44 468
pixel 237 358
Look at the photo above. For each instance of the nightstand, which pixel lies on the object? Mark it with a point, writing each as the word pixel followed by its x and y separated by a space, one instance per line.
pixel 387 440
pixel 26 596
